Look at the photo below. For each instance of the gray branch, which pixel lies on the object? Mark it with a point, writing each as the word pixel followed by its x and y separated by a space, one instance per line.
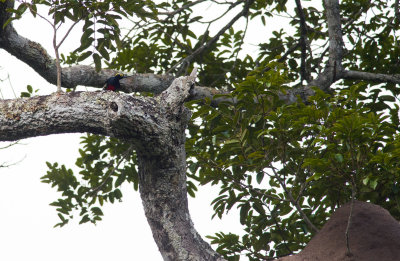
pixel 34 55
pixel 373 77
pixel 107 113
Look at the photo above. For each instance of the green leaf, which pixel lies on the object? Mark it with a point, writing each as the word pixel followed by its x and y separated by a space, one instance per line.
pixel 104 53
pixel 9 20
pixel 97 61
pixel 121 178
pixel 97 211
pixel 25 94
pixel 244 211
pixel 339 157
pixel 373 183
pixel 84 55
pixel 260 177
pixel 84 219
pixel 29 88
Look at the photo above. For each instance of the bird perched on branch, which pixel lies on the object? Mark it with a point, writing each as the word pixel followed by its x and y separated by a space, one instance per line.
pixel 112 83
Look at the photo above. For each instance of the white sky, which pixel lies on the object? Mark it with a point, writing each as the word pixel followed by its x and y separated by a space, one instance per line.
pixel 26 219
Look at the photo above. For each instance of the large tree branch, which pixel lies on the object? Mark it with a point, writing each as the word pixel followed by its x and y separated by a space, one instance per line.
pixel 305 74
pixel 336 43
pixel 333 69
pixel 373 77
pixel 34 55
pixel 156 128
pixel 105 113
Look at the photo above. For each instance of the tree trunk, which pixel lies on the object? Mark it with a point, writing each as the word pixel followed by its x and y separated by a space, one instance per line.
pixel 162 184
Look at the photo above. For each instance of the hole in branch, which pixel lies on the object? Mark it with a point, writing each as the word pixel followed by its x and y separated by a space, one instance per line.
pixel 114 106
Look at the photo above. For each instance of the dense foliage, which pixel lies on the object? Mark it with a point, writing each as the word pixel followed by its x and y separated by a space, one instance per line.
pixel 286 167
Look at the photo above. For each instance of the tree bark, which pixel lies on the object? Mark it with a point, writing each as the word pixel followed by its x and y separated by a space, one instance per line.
pixel 162 184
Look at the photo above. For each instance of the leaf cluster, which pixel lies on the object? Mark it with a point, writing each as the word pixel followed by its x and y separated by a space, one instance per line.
pixel 269 160
pixel 105 164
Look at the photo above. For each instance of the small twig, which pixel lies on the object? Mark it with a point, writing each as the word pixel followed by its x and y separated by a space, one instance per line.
pixel 257 191
pixel 169 14
pixel 294 202
pixel 12 88
pixel 353 193
pixel 6 165
pixel 58 64
pixel 232 5
pixel 186 61
pixel 67 33
pixel 284 56
pixel 41 16
pixel 56 45
pixel 9 145
pixel 279 229
pixel 95 190
pixel 236 53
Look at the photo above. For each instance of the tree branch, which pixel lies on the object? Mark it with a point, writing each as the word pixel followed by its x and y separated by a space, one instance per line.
pixel 105 113
pixel 95 190
pixel 336 43
pixel 172 13
pixel 34 55
pixel 186 61
pixel 333 69
pixel 294 202
pixel 373 77
pixel 305 74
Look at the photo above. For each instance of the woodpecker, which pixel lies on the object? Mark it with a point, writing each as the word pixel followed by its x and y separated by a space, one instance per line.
pixel 112 83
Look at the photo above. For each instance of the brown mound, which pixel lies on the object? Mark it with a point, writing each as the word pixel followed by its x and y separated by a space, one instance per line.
pixel 374 235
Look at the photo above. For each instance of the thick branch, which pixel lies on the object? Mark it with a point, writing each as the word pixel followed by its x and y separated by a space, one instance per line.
pixel 105 113
pixel 373 77
pixel 303 41
pixel 333 69
pixel 336 43
pixel 34 55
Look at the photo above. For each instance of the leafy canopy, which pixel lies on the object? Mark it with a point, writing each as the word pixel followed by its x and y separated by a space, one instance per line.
pixel 286 167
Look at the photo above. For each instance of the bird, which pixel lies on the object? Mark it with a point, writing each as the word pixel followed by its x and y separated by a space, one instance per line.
pixel 112 83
